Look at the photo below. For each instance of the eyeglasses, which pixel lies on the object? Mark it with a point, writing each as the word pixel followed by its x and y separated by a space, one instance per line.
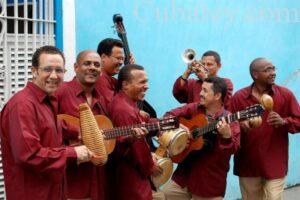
pixel 90 63
pixel 120 59
pixel 49 70
pixel 268 69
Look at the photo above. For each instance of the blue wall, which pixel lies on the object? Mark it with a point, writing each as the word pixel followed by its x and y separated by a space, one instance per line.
pixel 159 31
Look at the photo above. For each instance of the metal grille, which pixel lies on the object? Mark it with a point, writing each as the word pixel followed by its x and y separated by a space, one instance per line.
pixel 25 25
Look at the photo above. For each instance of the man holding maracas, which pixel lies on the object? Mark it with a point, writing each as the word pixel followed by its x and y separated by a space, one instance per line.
pixel 262 161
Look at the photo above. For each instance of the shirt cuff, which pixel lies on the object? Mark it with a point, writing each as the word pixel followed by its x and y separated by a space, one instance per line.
pixel 71 153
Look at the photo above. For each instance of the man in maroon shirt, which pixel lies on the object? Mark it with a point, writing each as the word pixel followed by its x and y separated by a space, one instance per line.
pixel 112 58
pixel 33 158
pixel 84 181
pixel 262 161
pixel 187 90
pixel 132 158
pixel 202 175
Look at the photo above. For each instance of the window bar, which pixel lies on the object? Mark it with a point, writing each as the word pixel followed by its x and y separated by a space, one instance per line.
pixel 5 58
pixel 41 22
pixel 34 24
pixel 16 56
pixel 51 13
pixel 46 8
pixel 26 41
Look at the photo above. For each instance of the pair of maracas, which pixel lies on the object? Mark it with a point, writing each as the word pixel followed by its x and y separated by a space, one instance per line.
pixel 267 102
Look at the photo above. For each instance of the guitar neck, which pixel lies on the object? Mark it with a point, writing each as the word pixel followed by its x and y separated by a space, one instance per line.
pixel 127 130
pixel 213 126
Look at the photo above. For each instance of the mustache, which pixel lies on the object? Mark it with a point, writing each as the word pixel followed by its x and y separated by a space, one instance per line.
pixel 93 73
pixel 272 76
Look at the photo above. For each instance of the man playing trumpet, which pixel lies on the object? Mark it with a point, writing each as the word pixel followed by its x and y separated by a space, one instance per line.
pixel 187 90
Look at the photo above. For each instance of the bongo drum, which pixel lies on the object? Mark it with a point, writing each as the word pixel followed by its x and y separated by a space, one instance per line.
pixel 166 165
pixel 174 141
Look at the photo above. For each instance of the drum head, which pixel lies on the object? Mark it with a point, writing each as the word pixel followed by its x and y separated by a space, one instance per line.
pixel 167 166
pixel 178 143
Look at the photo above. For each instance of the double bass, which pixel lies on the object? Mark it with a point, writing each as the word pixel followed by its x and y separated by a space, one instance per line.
pixel 118 21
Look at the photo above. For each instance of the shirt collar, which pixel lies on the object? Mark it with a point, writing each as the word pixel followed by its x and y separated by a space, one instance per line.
pixel 216 115
pixel 79 90
pixel 40 94
pixel 128 99
pixel 249 90
pixel 112 80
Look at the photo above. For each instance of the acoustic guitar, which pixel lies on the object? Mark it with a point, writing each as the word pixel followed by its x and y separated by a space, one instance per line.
pixel 110 134
pixel 199 126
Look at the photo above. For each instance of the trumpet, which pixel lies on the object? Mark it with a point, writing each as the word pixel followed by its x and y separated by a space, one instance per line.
pixel 189 57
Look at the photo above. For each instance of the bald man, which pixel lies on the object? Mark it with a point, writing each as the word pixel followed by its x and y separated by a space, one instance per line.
pixel 84 181
pixel 262 161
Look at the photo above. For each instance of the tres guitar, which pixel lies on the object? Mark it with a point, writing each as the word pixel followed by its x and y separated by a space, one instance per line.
pixel 198 126
pixel 110 134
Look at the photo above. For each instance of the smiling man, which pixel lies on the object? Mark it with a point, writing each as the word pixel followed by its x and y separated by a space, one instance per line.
pixel 34 160
pixel 203 173
pixel 112 58
pixel 133 162
pixel 84 181
pixel 262 161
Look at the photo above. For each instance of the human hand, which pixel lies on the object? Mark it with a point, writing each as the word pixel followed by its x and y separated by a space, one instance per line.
pixel 83 154
pixel 144 115
pixel 131 59
pixel 139 132
pixel 200 70
pixel 245 126
pixel 156 169
pixel 224 128
pixel 96 158
pixel 274 119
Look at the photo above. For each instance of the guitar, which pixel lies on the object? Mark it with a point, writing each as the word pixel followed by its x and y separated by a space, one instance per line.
pixel 110 134
pixel 199 126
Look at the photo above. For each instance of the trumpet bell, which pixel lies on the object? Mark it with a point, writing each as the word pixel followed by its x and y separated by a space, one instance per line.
pixel 188 56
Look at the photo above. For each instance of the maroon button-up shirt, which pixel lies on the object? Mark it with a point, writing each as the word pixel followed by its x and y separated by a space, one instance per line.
pixel 84 180
pixel 107 87
pixel 264 150
pixel 204 172
pixel 33 158
pixel 132 158
pixel 190 91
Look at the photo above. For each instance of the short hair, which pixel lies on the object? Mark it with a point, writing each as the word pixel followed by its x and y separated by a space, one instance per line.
pixel 125 73
pixel 83 53
pixel 254 65
pixel 106 46
pixel 214 54
pixel 219 85
pixel 45 50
